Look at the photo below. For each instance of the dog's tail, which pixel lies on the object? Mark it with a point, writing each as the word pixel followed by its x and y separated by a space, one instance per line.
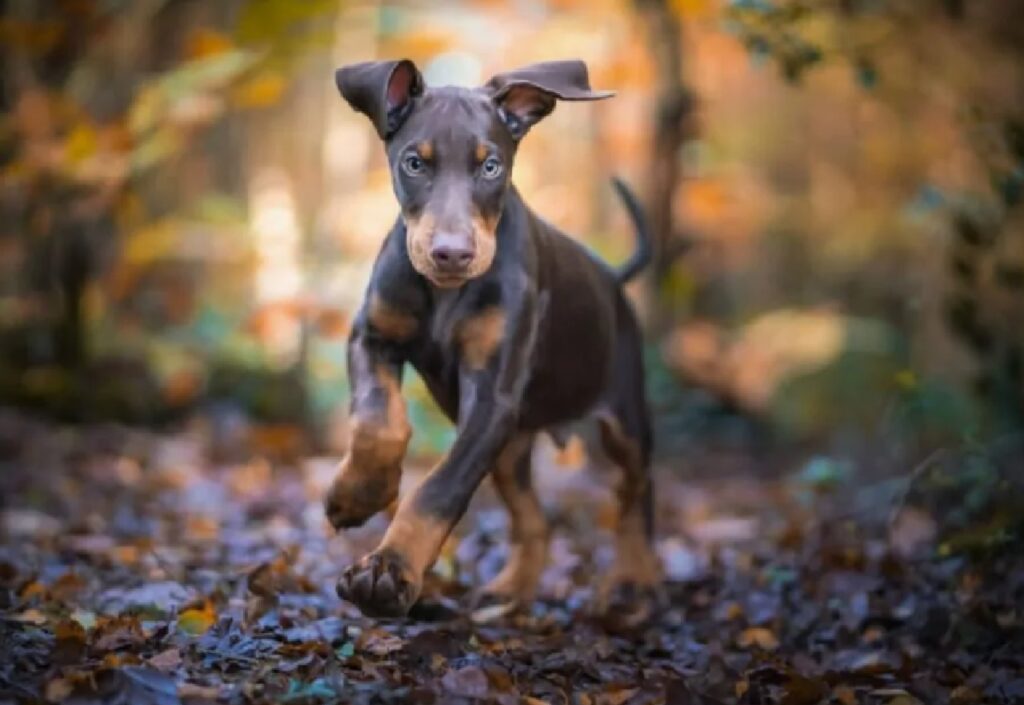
pixel 643 253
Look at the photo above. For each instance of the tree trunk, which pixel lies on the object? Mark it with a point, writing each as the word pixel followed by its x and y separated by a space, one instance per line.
pixel 674 105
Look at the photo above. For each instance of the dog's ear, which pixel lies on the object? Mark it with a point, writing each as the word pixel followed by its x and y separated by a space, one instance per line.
pixel 384 91
pixel 526 95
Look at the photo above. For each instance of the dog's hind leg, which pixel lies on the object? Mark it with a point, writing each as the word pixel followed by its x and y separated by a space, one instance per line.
pixel 528 533
pixel 633 589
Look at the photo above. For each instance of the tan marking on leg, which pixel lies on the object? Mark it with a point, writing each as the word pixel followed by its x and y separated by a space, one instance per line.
pixel 635 559
pixel 389 321
pixel 371 470
pixel 419 233
pixel 528 539
pixel 415 535
pixel 426 150
pixel 480 335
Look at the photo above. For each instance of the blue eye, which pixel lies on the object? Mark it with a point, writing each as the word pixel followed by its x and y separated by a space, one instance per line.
pixel 491 168
pixel 413 164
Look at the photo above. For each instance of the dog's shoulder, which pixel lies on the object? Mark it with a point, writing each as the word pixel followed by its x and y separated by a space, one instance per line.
pixel 396 296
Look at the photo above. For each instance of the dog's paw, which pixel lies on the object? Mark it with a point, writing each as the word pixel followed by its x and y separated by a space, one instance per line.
pixel 354 497
pixel 380 584
pixel 625 605
pixel 513 584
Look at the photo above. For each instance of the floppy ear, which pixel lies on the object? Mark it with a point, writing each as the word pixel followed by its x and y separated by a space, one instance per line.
pixel 526 95
pixel 381 90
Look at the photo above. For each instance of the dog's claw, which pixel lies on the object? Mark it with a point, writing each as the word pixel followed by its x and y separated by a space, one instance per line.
pixel 380 585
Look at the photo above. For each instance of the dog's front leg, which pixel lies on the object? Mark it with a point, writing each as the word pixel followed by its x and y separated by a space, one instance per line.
pixel 378 432
pixel 495 354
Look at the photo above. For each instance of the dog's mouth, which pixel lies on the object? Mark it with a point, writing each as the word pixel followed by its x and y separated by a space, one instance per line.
pixel 447 280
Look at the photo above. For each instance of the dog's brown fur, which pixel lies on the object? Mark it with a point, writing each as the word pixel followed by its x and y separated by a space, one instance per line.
pixel 513 326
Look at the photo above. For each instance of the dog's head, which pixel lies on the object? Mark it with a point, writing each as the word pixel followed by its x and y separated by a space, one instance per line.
pixel 451 151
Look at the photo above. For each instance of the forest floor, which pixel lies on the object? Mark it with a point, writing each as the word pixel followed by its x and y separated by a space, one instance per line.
pixel 145 568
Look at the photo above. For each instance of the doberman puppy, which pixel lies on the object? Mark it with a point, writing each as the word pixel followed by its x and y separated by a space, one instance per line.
pixel 515 328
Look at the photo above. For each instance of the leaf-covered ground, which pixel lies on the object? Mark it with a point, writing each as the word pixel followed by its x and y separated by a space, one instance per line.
pixel 143 568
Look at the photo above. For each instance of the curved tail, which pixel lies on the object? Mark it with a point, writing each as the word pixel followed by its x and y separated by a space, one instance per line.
pixel 643 253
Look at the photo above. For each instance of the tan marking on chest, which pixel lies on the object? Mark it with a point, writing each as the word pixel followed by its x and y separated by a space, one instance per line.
pixel 480 336
pixel 389 321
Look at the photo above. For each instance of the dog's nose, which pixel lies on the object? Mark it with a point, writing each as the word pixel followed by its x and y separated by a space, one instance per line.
pixel 451 254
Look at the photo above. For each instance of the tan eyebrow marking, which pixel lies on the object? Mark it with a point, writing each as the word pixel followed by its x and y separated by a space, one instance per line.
pixel 481 152
pixel 425 150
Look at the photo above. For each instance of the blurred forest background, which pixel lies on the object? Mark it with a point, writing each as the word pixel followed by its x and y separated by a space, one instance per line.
pixel 835 351
pixel 189 212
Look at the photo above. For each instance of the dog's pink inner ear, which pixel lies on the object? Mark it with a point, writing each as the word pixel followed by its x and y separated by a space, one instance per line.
pixel 400 86
pixel 528 103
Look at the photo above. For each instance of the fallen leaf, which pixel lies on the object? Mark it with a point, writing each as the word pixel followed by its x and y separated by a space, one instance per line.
pixel 758 636
pixel 166 660
pixel 116 632
pixel 29 523
pixel 136 685
pixel 32 589
pixel 31 616
pixel 492 613
pixel 57 690
pixel 724 530
pixel 911 532
pixel 161 597
pixel 69 630
pixel 467 682
pixel 197 620
pixel 319 689
pixel 615 696
pixel 203 692
pixel 69 641
pixel 86 618
pixel 800 690
pixel 66 586
pixel 845 695
pixel 742 686
pixel 962 695
pixel 380 643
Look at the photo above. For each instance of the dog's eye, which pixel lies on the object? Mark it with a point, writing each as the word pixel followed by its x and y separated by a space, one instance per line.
pixel 413 164
pixel 491 168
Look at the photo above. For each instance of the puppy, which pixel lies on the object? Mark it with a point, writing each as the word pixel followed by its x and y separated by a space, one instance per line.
pixel 515 328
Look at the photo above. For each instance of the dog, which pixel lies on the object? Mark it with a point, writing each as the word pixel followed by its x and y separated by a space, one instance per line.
pixel 515 328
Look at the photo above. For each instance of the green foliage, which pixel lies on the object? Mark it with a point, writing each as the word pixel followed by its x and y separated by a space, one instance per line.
pixel 285 29
pixel 977 497
pixel 317 690
pixel 778 30
pixel 822 473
